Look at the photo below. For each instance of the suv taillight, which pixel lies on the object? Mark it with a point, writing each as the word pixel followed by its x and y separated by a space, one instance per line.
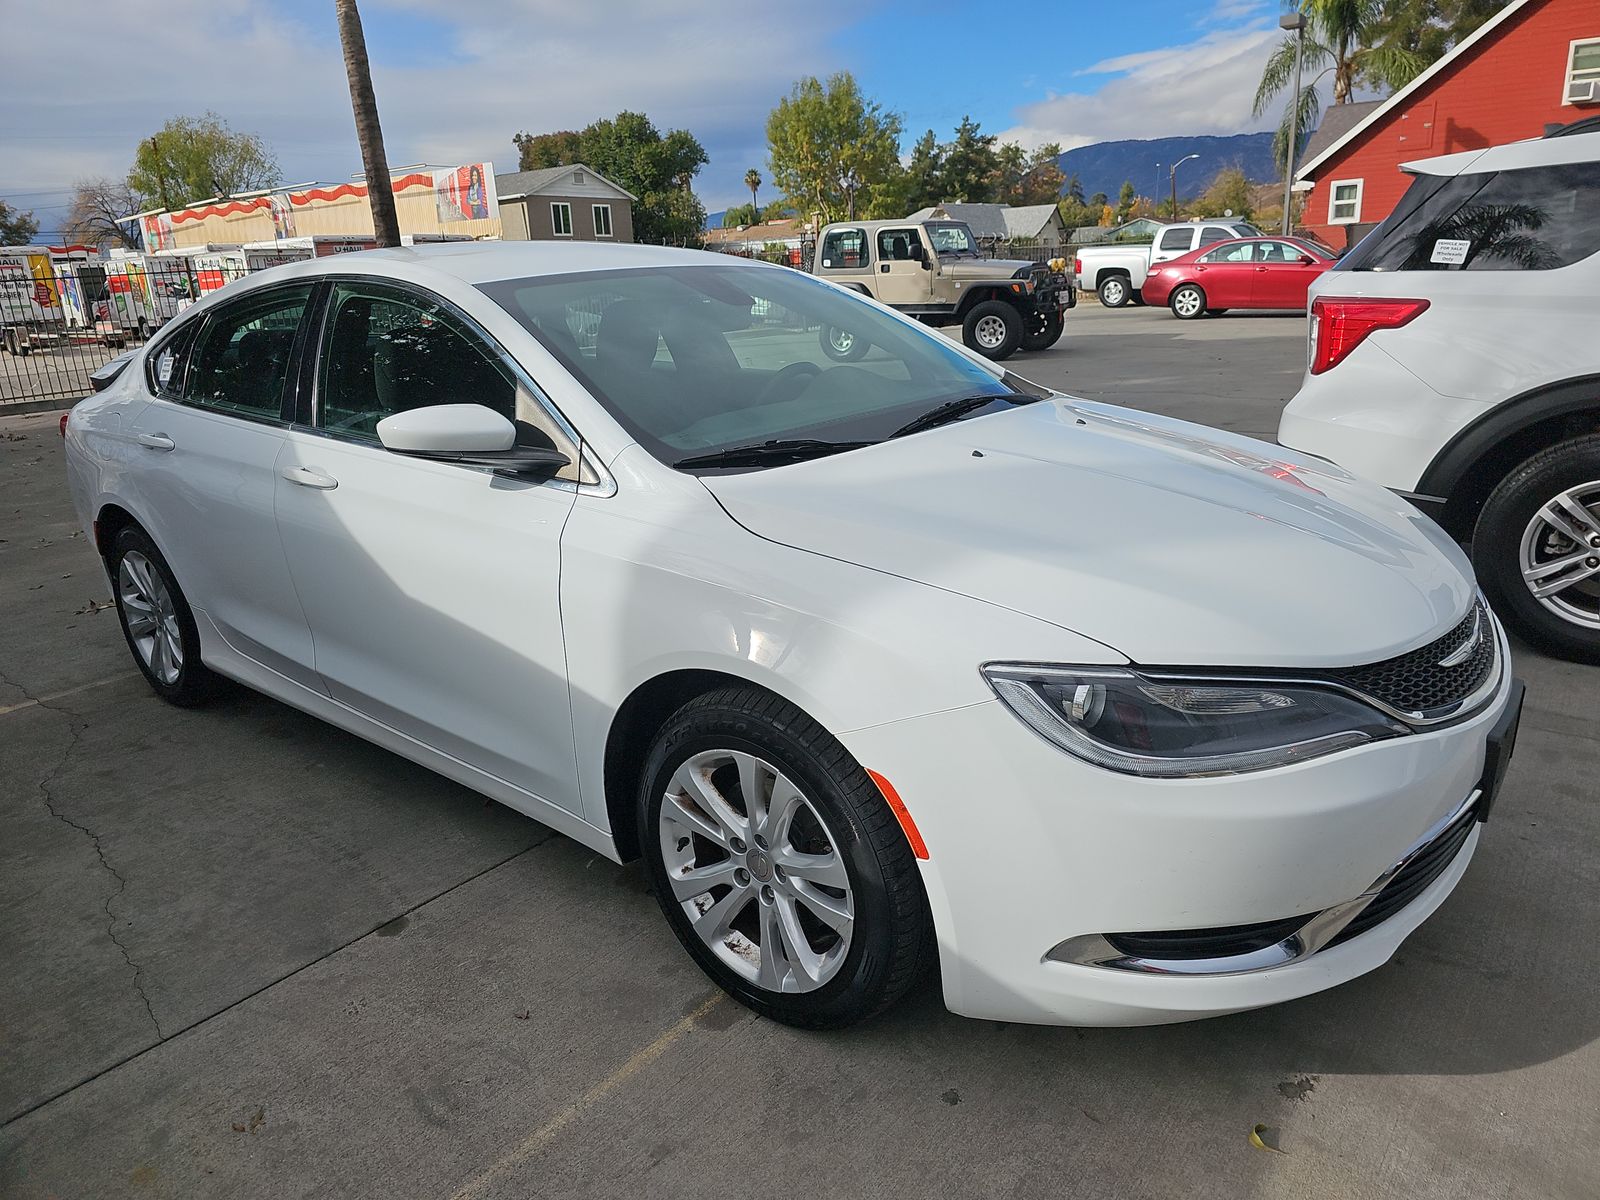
pixel 1340 323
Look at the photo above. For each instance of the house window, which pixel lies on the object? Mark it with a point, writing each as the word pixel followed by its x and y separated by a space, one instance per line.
pixel 561 219
pixel 1583 73
pixel 1344 204
pixel 602 220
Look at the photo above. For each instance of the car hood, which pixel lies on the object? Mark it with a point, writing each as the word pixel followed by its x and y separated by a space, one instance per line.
pixel 983 268
pixel 1171 543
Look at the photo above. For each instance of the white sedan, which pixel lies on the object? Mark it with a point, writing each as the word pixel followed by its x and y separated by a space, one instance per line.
pixel 877 664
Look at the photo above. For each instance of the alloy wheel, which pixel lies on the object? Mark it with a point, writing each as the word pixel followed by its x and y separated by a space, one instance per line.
pixel 1560 555
pixel 756 871
pixel 152 617
pixel 841 340
pixel 990 332
pixel 1187 302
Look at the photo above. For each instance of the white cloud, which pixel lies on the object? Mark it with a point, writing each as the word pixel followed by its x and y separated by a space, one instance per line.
pixel 1204 87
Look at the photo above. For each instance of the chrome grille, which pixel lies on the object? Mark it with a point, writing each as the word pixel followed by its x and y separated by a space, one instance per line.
pixel 1417 683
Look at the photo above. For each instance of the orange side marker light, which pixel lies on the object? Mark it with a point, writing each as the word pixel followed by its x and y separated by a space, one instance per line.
pixel 898 807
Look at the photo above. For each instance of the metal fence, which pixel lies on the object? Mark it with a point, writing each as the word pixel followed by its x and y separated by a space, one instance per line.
pixel 62 320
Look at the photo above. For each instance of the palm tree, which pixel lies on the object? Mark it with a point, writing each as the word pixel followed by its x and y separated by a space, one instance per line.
pixel 1345 39
pixel 380 192
pixel 752 180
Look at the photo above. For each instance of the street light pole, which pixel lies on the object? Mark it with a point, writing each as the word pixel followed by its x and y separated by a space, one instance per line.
pixel 1172 178
pixel 1297 22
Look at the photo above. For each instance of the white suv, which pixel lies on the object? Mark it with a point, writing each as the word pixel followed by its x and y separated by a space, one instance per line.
pixel 1455 357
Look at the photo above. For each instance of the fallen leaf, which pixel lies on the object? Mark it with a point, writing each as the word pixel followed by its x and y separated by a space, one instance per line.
pixel 94 606
pixel 257 1121
pixel 238 1128
pixel 1262 1137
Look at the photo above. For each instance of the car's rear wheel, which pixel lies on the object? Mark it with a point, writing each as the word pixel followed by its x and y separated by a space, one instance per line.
pixel 1187 302
pixel 1537 549
pixel 1047 335
pixel 157 622
pixel 1114 291
pixel 842 345
pixel 993 328
pixel 778 864
pixel 1215 312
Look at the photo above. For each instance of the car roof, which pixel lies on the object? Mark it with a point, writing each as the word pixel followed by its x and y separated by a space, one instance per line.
pixel 1536 152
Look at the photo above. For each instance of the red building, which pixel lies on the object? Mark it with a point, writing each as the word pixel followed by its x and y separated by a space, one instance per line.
pixel 1534 65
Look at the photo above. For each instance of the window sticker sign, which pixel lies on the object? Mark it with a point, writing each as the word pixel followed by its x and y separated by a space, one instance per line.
pixel 1450 252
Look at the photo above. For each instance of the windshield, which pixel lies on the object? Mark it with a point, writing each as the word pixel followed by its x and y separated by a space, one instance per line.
pixel 695 360
pixel 952 239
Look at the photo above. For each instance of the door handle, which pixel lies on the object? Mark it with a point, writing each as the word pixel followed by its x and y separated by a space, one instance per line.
pixel 884 267
pixel 155 441
pixel 1261 268
pixel 306 477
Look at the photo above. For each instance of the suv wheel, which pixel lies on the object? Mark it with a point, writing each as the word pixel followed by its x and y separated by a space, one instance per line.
pixel 992 328
pixel 1047 335
pixel 1537 549
pixel 1113 291
pixel 1188 302
pixel 778 864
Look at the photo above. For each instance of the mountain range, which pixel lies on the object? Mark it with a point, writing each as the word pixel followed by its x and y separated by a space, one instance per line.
pixel 1103 166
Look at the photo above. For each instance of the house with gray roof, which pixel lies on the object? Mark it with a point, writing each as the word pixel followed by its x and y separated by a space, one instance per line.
pixel 560 203
pixel 1001 223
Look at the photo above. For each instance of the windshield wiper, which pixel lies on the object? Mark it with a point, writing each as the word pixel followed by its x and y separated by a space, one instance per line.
pixel 954 410
pixel 760 454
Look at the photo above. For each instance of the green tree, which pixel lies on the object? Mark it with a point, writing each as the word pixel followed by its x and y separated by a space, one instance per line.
pixel 1125 200
pixel 740 214
pixel 16 227
pixel 831 147
pixel 536 151
pixel 1075 209
pixel 1430 28
pixel 659 168
pixel 970 173
pixel 1026 178
pixel 195 158
pixel 752 180
pixel 1229 190
pixel 1345 39
pixel 922 175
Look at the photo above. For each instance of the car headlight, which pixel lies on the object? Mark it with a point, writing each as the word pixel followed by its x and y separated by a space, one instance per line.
pixel 1170 727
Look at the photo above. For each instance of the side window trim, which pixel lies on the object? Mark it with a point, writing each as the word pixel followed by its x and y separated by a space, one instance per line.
pixel 306 415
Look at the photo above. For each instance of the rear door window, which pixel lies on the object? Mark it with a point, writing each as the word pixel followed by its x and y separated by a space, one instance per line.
pixel 241 358
pixel 844 250
pixel 1532 219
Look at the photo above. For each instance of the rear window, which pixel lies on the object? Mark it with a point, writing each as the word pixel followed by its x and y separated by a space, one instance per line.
pixel 1533 219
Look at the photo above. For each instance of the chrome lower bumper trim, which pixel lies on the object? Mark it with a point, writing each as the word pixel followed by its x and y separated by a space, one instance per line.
pixel 1095 950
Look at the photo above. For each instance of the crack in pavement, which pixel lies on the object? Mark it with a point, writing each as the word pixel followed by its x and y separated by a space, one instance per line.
pixel 77 723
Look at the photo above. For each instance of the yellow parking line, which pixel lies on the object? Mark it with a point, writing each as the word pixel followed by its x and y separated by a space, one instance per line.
pixel 82 687
pixel 546 1133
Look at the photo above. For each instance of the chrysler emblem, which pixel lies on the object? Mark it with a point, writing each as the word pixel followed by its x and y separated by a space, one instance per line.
pixel 1467 648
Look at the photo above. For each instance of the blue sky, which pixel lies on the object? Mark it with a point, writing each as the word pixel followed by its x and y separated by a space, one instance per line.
pixel 456 78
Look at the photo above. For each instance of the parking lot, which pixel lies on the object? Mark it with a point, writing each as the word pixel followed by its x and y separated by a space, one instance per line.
pixel 246 954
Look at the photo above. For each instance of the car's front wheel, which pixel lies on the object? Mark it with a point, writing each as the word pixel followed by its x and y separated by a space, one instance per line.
pixel 1537 549
pixel 778 864
pixel 1187 302
pixel 157 622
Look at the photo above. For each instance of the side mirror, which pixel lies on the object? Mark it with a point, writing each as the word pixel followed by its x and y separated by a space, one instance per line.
pixel 470 434
pixel 1307 261
pixel 920 253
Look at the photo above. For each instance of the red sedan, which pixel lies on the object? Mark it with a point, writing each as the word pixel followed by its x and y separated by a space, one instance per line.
pixel 1259 272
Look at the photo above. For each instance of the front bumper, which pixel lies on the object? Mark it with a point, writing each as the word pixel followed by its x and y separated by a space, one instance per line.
pixel 1031 850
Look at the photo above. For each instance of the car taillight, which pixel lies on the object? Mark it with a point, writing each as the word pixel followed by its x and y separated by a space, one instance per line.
pixel 1339 324
pixel 64 417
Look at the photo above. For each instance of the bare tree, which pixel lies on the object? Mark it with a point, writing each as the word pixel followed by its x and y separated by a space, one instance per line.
pixel 99 214
pixel 380 192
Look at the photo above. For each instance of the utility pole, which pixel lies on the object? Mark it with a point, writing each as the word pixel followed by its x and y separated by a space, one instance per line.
pixel 1172 178
pixel 1296 21
pixel 380 192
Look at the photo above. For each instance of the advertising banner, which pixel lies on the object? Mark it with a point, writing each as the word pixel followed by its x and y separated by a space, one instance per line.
pixel 158 232
pixel 282 215
pixel 466 193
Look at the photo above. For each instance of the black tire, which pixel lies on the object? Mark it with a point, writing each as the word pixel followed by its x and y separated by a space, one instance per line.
pixel 981 314
pixel 891 939
pixel 841 345
pixel 1046 335
pixel 1114 291
pixel 1187 302
pixel 195 683
pixel 1215 312
pixel 1497 552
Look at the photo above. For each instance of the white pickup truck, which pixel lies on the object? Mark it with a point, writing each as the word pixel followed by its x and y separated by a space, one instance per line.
pixel 1116 273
